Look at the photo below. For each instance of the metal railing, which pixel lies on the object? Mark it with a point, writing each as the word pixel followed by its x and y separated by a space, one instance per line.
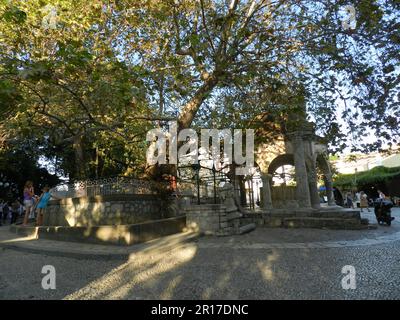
pixel 199 183
pixel 109 186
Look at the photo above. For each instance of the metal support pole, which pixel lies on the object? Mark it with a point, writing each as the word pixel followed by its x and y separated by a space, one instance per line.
pixel 198 186
pixel 215 185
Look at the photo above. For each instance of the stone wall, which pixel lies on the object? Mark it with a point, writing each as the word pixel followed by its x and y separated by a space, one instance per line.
pixel 206 218
pixel 107 210
pixel 213 219
pixel 284 197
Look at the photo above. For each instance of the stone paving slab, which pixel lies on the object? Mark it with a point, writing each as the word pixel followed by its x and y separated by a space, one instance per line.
pixel 193 271
pixel 329 244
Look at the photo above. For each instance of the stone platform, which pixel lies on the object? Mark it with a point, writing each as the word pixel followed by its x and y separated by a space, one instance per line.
pixel 124 235
pixel 325 217
pixel 89 251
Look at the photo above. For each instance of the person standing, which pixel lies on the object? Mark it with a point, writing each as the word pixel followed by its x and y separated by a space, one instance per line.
pixel 21 210
pixel 358 199
pixel 381 195
pixel 6 211
pixel 14 211
pixel 28 200
pixel 364 201
pixel 349 200
pixel 42 204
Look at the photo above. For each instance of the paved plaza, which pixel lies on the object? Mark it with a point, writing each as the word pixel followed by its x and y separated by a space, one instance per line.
pixel 264 264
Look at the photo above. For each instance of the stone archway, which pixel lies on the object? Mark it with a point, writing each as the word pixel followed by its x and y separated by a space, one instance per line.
pixel 282 196
pixel 297 145
pixel 279 161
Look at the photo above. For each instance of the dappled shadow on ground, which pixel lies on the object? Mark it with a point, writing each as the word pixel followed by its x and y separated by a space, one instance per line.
pixel 188 273
pixel 194 270
pixel 197 271
pixel 21 274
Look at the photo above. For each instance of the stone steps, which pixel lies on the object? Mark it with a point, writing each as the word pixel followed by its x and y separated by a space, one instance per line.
pixel 30 231
pixel 332 218
pixel 329 223
pixel 237 224
pixel 343 214
pixel 364 221
pixel 247 228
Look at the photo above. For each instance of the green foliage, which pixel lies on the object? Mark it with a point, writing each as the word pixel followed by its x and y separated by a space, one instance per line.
pixel 374 176
pixel 66 90
pixel 17 166
pixel 9 97
pixel 87 89
pixel 14 15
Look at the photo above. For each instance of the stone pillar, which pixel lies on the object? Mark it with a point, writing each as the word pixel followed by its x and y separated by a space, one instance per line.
pixel 302 188
pixel 266 190
pixel 329 189
pixel 313 187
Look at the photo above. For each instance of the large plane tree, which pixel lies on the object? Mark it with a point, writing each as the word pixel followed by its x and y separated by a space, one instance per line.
pixel 204 61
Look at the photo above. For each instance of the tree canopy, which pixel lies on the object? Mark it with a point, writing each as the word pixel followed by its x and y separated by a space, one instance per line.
pixel 16 167
pixel 83 81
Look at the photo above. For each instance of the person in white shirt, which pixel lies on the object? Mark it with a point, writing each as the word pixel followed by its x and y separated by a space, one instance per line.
pixel 364 201
pixel 358 199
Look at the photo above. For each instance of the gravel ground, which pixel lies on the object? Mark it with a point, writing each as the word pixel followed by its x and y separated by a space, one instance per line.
pixel 197 270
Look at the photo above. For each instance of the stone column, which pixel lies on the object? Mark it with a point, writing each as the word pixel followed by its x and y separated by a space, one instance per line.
pixel 266 190
pixel 329 189
pixel 312 183
pixel 302 188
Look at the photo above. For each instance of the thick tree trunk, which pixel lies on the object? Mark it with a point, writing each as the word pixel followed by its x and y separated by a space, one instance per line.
pixel 185 119
pixel 189 111
pixel 79 157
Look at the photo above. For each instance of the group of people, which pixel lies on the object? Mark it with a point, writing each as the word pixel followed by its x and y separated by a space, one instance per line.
pixel 362 198
pixel 33 206
pixel 10 210
pixel 32 203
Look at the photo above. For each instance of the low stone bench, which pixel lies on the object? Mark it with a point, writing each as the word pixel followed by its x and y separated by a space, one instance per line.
pixel 107 234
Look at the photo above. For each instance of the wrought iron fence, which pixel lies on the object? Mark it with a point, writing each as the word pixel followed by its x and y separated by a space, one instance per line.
pixel 200 184
pixel 109 186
